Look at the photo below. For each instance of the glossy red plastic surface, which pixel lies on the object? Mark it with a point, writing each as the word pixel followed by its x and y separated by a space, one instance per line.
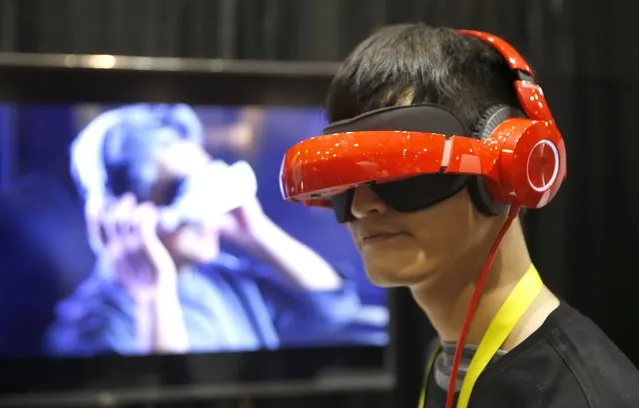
pixel 511 55
pixel 531 163
pixel 523 162
pixel 325 165
pixel 533 101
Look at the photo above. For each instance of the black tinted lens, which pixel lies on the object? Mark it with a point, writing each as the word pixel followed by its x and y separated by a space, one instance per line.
pixel 419 192
pixel 407 195
pixel 342 206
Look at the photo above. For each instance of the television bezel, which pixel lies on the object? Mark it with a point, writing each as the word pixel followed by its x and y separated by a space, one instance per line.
pixel 69 78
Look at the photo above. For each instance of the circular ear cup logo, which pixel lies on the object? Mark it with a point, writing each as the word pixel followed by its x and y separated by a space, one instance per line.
pixel 543 165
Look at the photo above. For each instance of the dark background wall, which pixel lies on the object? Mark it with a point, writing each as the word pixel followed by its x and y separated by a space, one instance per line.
pixel 559 36
pixel 584 51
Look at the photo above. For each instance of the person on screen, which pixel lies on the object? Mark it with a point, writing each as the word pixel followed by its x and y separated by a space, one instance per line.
pixel 157 205
pixel 555 357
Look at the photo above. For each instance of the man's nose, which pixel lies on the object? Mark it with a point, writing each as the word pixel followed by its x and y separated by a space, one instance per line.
pixel 366 203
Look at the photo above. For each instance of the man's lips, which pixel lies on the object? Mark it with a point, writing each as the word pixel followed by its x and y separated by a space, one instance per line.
pixel 380 237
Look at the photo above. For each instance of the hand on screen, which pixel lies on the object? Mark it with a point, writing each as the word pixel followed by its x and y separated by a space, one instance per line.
pixel 133 250
pixel 243 225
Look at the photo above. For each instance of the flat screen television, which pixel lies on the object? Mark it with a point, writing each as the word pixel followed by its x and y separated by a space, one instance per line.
pixel 145 250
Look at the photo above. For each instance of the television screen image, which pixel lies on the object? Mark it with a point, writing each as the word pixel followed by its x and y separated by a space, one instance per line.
pixel 148 229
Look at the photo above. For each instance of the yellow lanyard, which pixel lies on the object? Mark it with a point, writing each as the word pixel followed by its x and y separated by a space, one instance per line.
pixel 518 301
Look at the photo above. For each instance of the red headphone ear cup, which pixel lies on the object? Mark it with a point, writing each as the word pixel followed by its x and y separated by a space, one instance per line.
pixel 484 194
pixel 532 162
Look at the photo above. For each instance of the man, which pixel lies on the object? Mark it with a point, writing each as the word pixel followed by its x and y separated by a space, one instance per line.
pixel 161 283
pixel 554 356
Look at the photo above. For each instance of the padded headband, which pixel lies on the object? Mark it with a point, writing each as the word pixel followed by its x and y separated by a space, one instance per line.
pixel 417 118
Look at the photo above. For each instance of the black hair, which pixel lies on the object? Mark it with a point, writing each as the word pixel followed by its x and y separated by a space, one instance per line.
pixel 414 63
pixel 130 149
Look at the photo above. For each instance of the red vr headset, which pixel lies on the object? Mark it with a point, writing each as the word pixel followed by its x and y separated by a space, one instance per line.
pixel 418 155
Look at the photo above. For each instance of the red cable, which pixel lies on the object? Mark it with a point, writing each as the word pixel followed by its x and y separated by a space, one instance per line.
pixel 452 384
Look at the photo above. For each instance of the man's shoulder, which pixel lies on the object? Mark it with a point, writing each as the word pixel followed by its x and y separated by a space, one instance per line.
pixel 606 376
pixel 569 361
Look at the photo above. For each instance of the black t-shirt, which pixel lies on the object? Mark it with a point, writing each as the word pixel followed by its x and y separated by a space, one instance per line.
pixel 567 363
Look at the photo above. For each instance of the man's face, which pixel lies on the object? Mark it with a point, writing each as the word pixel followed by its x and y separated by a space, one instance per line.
pixel 401 249
pixel 190 242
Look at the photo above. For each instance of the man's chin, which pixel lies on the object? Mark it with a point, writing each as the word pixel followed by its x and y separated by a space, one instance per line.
pixel 386 278
pixel 403 265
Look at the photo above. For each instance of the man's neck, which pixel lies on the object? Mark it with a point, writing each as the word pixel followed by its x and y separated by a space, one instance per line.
pixel 445 298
